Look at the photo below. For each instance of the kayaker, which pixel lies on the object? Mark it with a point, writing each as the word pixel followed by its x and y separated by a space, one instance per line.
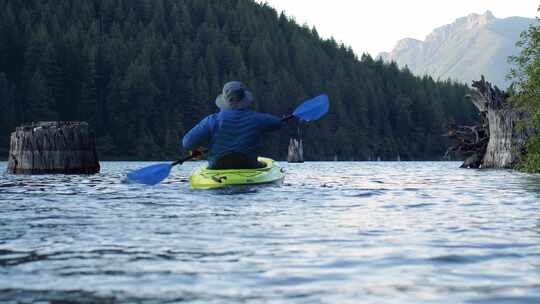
pixel 233 135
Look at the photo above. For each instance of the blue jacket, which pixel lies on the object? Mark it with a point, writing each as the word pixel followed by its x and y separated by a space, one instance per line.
pixel 229 131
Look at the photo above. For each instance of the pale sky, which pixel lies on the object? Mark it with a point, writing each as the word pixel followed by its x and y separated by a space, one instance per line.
pixel 376 25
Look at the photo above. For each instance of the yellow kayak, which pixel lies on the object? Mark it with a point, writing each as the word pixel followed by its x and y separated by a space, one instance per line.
pixel 204 178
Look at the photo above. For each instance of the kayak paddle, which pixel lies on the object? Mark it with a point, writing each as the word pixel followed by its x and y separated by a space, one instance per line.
pixel 154 174
pixel 311 109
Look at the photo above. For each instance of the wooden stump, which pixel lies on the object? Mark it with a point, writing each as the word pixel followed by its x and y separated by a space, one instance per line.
pixel 499 140
pixel 296 150
pixel 53 148
pixel 506 137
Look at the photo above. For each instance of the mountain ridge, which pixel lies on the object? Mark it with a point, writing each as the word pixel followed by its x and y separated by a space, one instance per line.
pixel 464 50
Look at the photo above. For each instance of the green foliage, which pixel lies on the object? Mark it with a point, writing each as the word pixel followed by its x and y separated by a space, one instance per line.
pixel 526 91
pixel 531 162
pixel 143 72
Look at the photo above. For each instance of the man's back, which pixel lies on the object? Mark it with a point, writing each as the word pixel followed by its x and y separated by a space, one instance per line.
pixel 232 131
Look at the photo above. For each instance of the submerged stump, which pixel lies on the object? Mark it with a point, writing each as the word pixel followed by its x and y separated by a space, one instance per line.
pixel 296 150
pixel 53 148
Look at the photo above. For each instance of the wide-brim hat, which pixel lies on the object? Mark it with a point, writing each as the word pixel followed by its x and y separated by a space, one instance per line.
pixel 230 89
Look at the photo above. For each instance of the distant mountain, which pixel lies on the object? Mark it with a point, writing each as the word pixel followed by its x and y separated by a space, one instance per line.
pixel 464 50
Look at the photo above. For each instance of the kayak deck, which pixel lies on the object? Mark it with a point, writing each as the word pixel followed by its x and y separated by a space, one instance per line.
pixel 204 178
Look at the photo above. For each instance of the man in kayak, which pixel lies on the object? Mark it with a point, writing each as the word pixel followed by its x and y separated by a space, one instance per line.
pixel 233 136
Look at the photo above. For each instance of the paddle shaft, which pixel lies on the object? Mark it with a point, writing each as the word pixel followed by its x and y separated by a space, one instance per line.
pixel 180 161
pixel 287 118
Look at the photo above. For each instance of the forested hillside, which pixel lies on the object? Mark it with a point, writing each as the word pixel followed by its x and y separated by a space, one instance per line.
pixel 143 72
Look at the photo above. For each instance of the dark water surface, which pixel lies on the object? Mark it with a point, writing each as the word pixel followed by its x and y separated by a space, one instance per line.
pixel 335 232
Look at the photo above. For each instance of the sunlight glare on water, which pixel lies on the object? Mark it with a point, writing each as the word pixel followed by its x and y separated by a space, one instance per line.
pixel 335 232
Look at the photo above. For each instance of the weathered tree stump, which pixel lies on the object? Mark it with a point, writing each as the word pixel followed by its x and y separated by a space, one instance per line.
pixel 53 148
pixel 508 130
pixel 296 150
pixel 500 139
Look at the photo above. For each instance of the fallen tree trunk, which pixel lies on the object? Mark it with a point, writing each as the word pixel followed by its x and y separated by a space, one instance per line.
pixel 53 148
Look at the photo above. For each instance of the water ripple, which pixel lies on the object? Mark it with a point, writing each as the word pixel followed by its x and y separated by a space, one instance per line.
pixel 334 232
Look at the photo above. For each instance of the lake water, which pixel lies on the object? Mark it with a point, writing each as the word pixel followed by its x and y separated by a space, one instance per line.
pixel 335 232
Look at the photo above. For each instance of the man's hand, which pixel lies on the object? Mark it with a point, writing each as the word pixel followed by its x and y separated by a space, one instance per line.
pixel 198 153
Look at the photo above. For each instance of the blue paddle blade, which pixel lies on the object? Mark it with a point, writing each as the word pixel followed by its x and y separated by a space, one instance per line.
pixel 313 109
pixel 150 175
